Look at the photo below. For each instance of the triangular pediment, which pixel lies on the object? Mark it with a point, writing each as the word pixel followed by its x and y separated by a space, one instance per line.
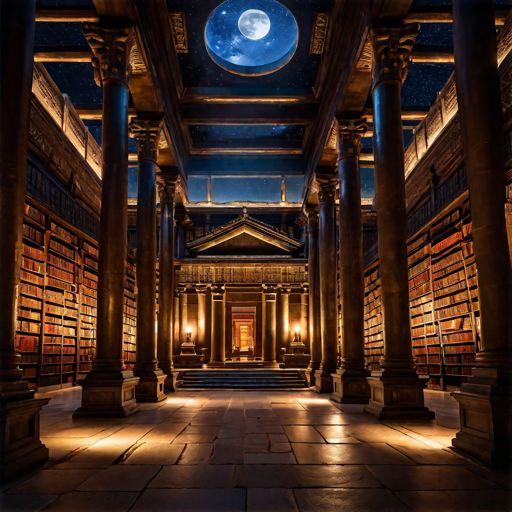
pixel 244 236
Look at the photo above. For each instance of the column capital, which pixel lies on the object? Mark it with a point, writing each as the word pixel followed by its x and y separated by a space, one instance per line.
pixel 284 288
pixel 391 45
pixel 326 187
pixel 269 289
pixel 312 218
pixel 113 51
pixel 218 289
pixel 167 183
pixel 146 133
pixel 302 219
pixel 349 135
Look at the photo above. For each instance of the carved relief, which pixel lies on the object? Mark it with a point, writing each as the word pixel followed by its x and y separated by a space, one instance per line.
pixel 47 93
pixel 421 141
pixel 146 133
pixel 433 122
pixel 449 94
pixel 504 40
pixel 319 34
pixel 506 90
pixel 167 184
pixel 391 48
pixel 332 140
pixel 74 128
pixel 138 64
pixel 350 133
pixel 327 184
pixel 364 63
pixel 410 157
pixel 179 31
pixel 94 154
pixel 112 49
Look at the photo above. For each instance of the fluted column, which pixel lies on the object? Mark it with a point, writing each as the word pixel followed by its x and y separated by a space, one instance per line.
pixel 146 133
pixel 398 392
pixel 18 408
pixel 183 314
pixel 166 182
pixel 350 384
pixel 283 297
pixel 109 390
pixel 269 327
pixel 328 283
pixel 201 316
pixel 218 327
pixel 486 399
pixel 315 334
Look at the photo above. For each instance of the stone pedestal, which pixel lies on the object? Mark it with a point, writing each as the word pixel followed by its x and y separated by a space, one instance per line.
pixel 19 429
pixel 108 395
pixel 151 386
pixel 397 394
pixel 351 386
pixel 485 404
pixel 297 359
pixel 323 381
pixel 188 357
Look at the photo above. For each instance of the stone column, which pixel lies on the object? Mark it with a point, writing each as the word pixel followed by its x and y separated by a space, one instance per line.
pixel 183 314
pixel 218 327
pixel 109 390
pixel 485 401
pixel 283 297
pixel 201 316
pixel 166 182
pixel 19 411
pixel 350 384
pixel 397 391
pixel 315 334
pixel 328 284
pixel 150 388
pixel 176 330
pixel 269 327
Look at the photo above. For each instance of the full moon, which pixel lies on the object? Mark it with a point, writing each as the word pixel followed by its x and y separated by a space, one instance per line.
pixel 254 24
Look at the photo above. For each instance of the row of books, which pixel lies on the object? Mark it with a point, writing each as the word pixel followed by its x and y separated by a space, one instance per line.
pixel 57 283
pixel 27 343
pixel 32 265
pixel 29 314
pixel 459 359
pixel 90 249
pixel 64 234
pixel 61 274
pixel 447 221
pixel 25 326
pixel 62 249
pixel 29 359
pixel 57 349
pixel 448 261
pixel 421 266
pixel 31 290
pixel 31 278
pixel 33 234
pixel 420 253
pixel 424 330
pixel 59 262
pixel 419 279
pixel 420 290
pixel 34 214
pixel 447 242
pixel 32 252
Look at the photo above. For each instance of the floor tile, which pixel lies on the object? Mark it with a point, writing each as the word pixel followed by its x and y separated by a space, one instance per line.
pixel 164 433
pixel 335 434
pixel 427 478
pixel 194 438
pixel 269 458
pixel 52 481
pixel 193 477
pixel 455 501
pixel 25 502
pixel 196 454
pixel 362 453
pixel 424 454
pixel 265 500
pixel 348 500
pixel 302 434
pixel 94 501
pixel 155 453
pixel 496 475
pixel 232 430
pixel 228 451
pixel 120 478
pixel 197 500
pixel 294 476
pixel 256 443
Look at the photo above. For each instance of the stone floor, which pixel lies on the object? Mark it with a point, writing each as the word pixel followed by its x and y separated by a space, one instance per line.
pixel 254 451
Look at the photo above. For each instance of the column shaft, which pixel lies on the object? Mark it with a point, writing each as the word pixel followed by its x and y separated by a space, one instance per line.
pixel 269 328
pixel 218 328
pixel 284 319
pixel 350 383
pixel 19 411
pixel 315 334
pixel 165 335
pixel 485 400
pixel 183 315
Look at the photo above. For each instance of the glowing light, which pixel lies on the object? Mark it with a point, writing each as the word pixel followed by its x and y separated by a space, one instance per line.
pixel 297 329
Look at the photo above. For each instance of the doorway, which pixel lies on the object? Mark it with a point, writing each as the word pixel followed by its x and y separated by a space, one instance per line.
pixel 243 328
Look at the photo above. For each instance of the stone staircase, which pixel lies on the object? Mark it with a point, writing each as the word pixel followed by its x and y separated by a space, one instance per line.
pixel 250 378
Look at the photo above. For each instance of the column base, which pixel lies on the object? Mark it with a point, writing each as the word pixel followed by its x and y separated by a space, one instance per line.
pixel 485 406
pixel 323 381
pixel 216 364
pixel 397 394
pixel 20 446
pixel 270 364
pixel 351 386
pixel 108 395
pixel 151 386
pixel 170 374
pixel 310 376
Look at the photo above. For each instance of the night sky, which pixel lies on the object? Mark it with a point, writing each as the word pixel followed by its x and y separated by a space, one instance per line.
pixel 198 70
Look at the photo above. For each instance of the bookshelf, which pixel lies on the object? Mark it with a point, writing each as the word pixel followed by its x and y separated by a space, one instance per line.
pixel 88 306
pixel 373 328
pixel 57 300
pixel 130 313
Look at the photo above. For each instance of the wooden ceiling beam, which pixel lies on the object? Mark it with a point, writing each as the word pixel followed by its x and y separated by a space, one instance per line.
pixel 432 54
pixel 63 54
pixel 66 15
pixel 411 114
pixel 443 14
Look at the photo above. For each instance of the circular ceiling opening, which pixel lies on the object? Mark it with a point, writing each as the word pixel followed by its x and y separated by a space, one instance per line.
pixel 251 37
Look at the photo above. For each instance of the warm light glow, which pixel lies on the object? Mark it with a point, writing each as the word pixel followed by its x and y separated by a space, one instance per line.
pixel 297 330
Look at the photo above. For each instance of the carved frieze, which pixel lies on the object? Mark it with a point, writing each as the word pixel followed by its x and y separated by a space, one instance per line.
pixel 504 40
pixel 179 31
pixel 74 128
pixel 112 49
pixel 327 184
pixel 319 34
pixel 391 46
pixel 364 63
pixel 506 89
pixel 421 140
pixel 47 93
pixel 94 154
pixel 167 184
pixel 410 157
pixel 433 122
pixel 449 94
